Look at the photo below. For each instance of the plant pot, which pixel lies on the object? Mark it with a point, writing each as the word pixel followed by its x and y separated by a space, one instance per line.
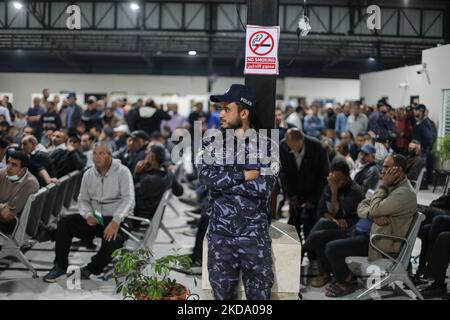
pixel 177 292
pixel 180 292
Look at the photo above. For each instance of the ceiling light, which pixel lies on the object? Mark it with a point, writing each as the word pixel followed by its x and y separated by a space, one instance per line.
pixel 372 59
pixel 134 6
pixel 192 53
pixel 17 5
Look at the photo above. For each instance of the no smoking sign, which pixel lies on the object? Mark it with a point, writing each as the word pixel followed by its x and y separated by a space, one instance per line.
pixel 261 50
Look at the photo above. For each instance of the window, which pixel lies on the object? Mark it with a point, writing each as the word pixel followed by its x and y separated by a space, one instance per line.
pixel 447 112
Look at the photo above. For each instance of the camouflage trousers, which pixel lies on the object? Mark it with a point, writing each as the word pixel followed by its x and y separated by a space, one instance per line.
pixel 228 256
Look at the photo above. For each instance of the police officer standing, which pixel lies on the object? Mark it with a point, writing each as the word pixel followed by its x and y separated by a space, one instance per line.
pixel 238 235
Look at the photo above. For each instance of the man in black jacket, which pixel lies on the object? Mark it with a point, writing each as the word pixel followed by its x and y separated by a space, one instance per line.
pixel 73 113
pixel 367 173
pixel 304 171
pixel 40 164
pixel 151 180
pixel 91 116
pixel 135 149
pixel 415 161
pixel 70 159
pixel 147 118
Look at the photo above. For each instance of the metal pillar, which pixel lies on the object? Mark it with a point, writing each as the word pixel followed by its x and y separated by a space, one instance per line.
pixel 263 13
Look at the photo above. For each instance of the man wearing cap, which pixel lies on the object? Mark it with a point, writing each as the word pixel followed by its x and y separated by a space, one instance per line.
pixel 121 133
pixel 238 236
pixel 135 149
pixel 367 173
pixel 424 131
pixel 74 111
pixel 91 116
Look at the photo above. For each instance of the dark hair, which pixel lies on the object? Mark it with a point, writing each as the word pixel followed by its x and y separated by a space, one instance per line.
pixel 4 124
pixel 351 134
pixel 156 136
pixel 361 135
pixel 109 132
pixel 400 161
pixel 341 166
pixel 415 142
pixel 6 139
pixel 32 130
pixel 345 148
pixel 75 138
pixel 91 136
pixel 20 155
pixel 159 152
pixel 97 128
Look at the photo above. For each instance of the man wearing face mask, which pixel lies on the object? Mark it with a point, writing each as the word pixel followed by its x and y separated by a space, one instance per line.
pixel 366 173
pixel 16 185
pixel 415 161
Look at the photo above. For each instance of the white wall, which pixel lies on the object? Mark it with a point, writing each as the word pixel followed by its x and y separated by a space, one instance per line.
pixel 429 89
pixel 438 66
pixel 376 85
pixel 23 85
pixel 316 88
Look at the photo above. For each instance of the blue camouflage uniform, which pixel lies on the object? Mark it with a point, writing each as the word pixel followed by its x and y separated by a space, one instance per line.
pixel 238 235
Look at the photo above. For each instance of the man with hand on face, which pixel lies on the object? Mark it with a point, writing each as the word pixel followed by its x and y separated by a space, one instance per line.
pixel 151 180
pixel 106 199
pixel 16 185
pixel 238 236
pixel 69 159
pixel 391 207
pixel 337 207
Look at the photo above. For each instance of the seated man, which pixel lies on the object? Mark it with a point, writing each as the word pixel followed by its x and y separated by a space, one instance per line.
pixel 337 206
pixel 106 199
pixel 40 164
pixel 391 209
pixel 367 173
pixel 151 180
pixel 437 268
pixel 135 149
pixel 59 139
pixel 69 159
pixel 415 161
pixel 429 234
pixel 16 185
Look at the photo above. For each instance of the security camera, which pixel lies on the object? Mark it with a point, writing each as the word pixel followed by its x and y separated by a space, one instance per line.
pixel 304 26
pixel 423 70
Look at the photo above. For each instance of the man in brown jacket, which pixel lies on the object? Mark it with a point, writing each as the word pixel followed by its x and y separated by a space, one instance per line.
pixel 16 185
pixel 391 207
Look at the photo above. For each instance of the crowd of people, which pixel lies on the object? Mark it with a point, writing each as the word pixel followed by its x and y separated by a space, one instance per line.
pixel 345 173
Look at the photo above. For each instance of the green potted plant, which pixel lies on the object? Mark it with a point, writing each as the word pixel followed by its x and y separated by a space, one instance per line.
pixel 443 150
pixel 138 275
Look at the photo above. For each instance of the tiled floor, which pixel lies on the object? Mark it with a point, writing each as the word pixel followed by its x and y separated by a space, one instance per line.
pixel 16 281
